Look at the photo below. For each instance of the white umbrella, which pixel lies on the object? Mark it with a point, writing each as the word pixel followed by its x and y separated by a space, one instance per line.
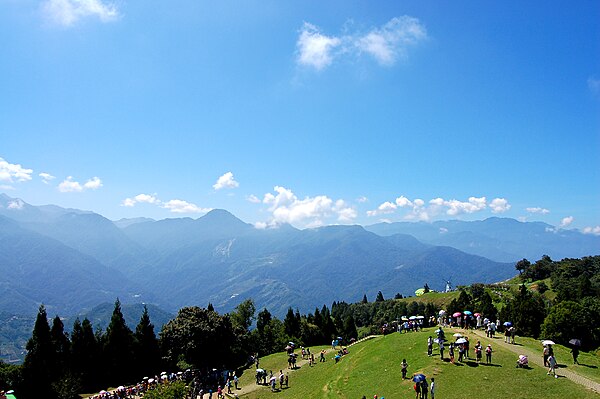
pixel 442 312
pixel 120 388
pixel 548 342
pixel 412 318
pixel 461 341
pixel 164 377
pixel 102 392
pixel 151 380
pixel 420 317
pixel 145 378
pixel 458 335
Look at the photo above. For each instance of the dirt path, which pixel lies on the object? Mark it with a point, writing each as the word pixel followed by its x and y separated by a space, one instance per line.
pixel 536 358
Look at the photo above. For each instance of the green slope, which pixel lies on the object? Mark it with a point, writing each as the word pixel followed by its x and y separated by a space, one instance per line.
pixel 373 367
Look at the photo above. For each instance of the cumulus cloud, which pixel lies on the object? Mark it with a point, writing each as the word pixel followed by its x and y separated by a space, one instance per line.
pixel 314 48
pixel 71 186
pixel 499 205
pixel 362 199
pixel 386 43
pixel 181 206
pixel 591 230
pixel 144 198
pixel 226 181
pixel 253 198
pixel 389 42
pixel 46 177
pixel 419 210
pixel 286 207
pixel 10 172
pixel 566 221
pixel 537 209
pixel 68 12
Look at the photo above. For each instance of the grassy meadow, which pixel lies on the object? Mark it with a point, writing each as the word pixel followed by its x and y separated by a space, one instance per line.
pixel 373 367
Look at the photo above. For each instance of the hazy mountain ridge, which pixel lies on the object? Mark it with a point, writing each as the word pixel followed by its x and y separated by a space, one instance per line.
pixel 220 259
pixel 499 239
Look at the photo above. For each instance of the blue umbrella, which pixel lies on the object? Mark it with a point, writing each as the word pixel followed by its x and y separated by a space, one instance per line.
pixel 419 378
pixel 468 312
pixel 507 323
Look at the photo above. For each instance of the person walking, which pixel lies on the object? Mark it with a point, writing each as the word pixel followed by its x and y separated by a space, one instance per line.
pixel 552 364
pixel 575 352
pixel 441 350
pixel 546 353
pixel 429 346
pixel 432 389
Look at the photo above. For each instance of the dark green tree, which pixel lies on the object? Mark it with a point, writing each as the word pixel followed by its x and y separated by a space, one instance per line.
pixel 486 306
pixel 85 355
pixel 567 320
pixel 210 307
pixel 291 324
pixel 147 352
pixel 349 329
pixel 364 300
pixel 40 362
pixel 426 288
pixel 398 296
pixel 62 345
pixel 243 316
pixel 522 266
pixel 526 311
pixel 379 297
pixel 264 317
pixel 118 348
pixel 199 337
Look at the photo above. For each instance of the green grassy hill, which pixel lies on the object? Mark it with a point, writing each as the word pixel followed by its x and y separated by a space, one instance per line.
pixel 373 367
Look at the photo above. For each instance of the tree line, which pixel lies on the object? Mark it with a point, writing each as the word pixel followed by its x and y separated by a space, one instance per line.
pixel 61 365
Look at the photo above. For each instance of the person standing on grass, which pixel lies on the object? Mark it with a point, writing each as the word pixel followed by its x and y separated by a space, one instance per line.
pixel 546 353
pixel 552 364
pixel 488 354
pixel 432 389
pixel 417 388
pixel 451 352
pixel 404 366
pixel 429 346
pixel 441 350
pixel 424 389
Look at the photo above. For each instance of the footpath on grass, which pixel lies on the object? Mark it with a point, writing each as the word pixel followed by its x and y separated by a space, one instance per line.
pixel 537 359
pixel 253 387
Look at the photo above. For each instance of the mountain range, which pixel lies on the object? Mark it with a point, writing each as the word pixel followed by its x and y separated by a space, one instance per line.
pixel 72 260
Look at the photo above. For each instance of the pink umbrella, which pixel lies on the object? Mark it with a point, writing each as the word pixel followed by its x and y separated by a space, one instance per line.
pixel 477 314
pixel 457 314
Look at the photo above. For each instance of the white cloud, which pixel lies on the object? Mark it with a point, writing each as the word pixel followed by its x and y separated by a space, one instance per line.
pixel 566 221
pixel 418 210
pixel 594 85
pixel 68 12
pixel 46 177
pixel 285 207
pixel 144 198
pixel 16 205
pixel 10 172
pixel 443 230
pixel 591 230
pixel 226 181
pixel 71 186
pixel 6 187
pixel 390 41
pixel 253 198
pixel 362 199
pixel 93 184
pixel 537 209
pixel 456 207
pixel 386 43
pixel 314 48
pixel 181 206
pixel 499 205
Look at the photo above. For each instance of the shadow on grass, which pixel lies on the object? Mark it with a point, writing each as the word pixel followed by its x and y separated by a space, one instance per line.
pixel 490 364
pixel 471 363
pixel 588 366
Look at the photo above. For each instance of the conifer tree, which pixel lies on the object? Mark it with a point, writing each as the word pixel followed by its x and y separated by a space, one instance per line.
pixel 263 319
pixel 85 355
pixel 349 328
pixel 40 359
pixel 147 353
pixel 379 297
pixel 62 345
pixel 291 324
pixel 118 348
pixel 364 300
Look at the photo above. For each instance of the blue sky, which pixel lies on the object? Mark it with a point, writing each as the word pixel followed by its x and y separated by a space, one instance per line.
pixel 311 113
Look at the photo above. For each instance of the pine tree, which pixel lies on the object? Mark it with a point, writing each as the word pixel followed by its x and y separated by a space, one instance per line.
pixel 40 360
pixel 379 297
pixel 291 324
pixel 62 345
pixel 364 300
pixel 263 319
pixel 118 348
pixel 210 307
pixel 147 353
pixel 349 328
